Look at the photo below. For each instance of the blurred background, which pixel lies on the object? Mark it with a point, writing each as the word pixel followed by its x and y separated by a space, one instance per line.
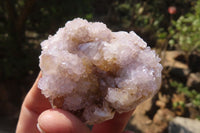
pixel 171 27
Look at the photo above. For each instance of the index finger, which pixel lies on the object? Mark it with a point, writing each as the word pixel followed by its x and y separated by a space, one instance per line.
pixel 34 104
pixel 35 100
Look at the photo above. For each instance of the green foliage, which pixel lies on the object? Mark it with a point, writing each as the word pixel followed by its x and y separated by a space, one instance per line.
pixel 149 19
pixel 192 95
pixel 140 14
pixel 185 31
pixel 198 117
pixel 181 104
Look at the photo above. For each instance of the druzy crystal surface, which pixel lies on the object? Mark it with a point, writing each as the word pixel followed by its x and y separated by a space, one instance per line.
pixel 93 72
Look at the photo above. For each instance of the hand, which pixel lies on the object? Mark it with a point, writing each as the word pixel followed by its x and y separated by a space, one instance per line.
pixel 36 113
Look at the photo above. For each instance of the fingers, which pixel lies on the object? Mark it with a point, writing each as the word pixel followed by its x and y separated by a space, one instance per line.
pixel 27 122
pixel 34 100
pixel 51 121
pixel 116 125
pixel 33 105
pixel 59 121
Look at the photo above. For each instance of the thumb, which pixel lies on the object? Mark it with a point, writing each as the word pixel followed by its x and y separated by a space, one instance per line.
pixel 59 121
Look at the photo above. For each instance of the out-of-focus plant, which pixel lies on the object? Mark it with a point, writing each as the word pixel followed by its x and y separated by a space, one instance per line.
pixel 149 19
pixel 144 17
pixel 192 95
pixel 177 104
pixel 185 32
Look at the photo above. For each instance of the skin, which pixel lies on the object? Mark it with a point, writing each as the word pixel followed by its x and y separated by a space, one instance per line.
pixel 36 109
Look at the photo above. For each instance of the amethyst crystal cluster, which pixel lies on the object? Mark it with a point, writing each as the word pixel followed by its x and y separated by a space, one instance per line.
pixel 93 72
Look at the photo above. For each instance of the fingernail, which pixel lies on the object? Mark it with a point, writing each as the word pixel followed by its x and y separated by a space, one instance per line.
pixel 39 128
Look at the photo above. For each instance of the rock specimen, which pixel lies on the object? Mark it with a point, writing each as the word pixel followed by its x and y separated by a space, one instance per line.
pixel 184 125
pixel 93 72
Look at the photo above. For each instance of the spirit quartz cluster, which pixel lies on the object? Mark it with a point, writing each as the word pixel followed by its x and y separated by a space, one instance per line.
pixel 93 72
